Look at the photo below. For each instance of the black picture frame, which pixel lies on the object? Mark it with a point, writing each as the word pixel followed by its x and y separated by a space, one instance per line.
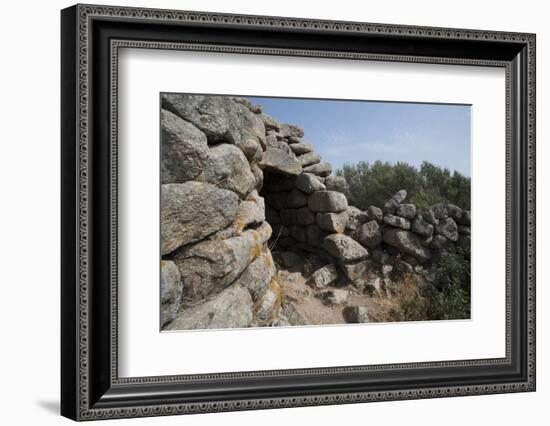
pixel 90 386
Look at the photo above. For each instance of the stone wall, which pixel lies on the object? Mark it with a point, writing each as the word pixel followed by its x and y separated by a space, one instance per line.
pixel 237 185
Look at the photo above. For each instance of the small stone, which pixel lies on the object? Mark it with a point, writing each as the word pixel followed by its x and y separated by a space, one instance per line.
pixel 429 216
pixel 322 169
pixel 454 212
pixel 376 287
pixel 397 222
pixel 386 270
pixel 356 314
pixel 422 227
pixel 355 272
pixel 440 211
pixel 323 277
pixel 463 229
pixel 408 211
pixel 301 148
pixel 309 159
pixel 465 219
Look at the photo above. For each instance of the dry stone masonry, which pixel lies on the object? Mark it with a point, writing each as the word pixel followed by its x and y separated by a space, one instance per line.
pixel 237 186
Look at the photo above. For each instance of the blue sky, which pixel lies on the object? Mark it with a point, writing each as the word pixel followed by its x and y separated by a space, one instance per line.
pixel 351 131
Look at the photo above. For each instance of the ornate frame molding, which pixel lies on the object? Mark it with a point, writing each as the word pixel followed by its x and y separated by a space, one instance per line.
pixel 80 19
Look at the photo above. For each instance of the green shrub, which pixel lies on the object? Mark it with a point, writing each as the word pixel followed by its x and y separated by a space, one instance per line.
pixel 451 298
pixel 373 183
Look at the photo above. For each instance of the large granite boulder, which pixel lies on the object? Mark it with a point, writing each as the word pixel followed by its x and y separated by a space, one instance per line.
pixel 184 149
pixel 344 248
pixel 448 228
pixel 210 266
pixel 228 168
pixel 278 161
pixel 171 289
pixel 309 159
pixel 220 118
pixel 332 222
pixel 232 308
pixel 422 227
pixel 192 210
pixel 406 242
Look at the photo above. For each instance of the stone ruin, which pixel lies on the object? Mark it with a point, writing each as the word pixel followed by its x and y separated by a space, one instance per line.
pixel 237 186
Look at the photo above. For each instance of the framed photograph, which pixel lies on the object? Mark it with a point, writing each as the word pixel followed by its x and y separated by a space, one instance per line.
pixel 263 212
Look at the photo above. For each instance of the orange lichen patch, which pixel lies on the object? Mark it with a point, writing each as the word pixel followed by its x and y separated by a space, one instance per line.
pixel 275 287
pixel 238 225
pixel 256 249
pixel 268 260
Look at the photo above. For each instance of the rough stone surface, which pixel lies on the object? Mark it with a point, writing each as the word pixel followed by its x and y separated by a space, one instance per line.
pixel 440 211
pixel 291 130
pixel 397 222
pixel 232 308
pixel 301 148
pixel 356 314
pixel 408 211
pixel 336 183
pixel 184 149
pixel 323 277
pixel 228 168
pixel 321 169
pixel 327 201
pixel 309 159
pixel 190 211
pixel 375 213
pixel 407 242
pixel 257 276
pixel 171 289
pixel 465 219
pixel 315 235
pixel 454 212
pixel 370 234
pixel 292 314
pixel 448 228
pixel 344 248
pixel 250 212
pixel 210 266
pixel 332 222
pixel 394 201
pixel 267 307
pixel 422 227
pixel 279 161
pixel 308 183
pixel 429 216
pixel 356 271
pixel 220 118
